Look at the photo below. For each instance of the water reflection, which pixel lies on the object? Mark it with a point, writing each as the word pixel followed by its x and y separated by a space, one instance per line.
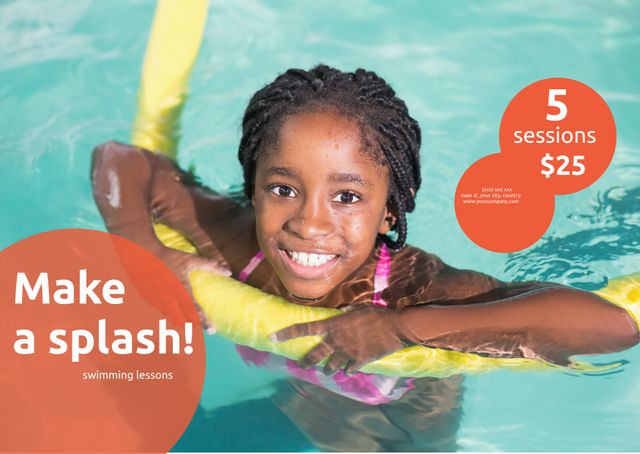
pixel 301 416
pixel 609 231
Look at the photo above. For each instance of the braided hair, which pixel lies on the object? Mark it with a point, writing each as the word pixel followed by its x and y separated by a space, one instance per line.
pixel 388 130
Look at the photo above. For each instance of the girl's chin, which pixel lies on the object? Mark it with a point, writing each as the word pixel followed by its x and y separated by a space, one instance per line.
pixel 306 295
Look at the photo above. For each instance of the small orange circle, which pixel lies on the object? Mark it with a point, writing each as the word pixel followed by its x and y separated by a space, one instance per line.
pixel 499 209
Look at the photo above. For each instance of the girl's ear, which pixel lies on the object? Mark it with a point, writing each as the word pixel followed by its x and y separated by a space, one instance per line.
pixel 390 217
pixel 388 222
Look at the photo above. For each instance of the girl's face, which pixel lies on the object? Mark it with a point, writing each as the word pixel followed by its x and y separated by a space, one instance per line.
pixel 320 201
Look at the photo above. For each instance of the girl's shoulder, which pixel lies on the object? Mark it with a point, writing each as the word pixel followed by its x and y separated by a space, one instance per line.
pixel 233 233
pixel 419 277
pixel 413 272
pixel 414 260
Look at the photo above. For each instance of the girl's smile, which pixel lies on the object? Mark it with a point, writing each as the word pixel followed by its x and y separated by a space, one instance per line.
pixel 309 265
pixel 320 202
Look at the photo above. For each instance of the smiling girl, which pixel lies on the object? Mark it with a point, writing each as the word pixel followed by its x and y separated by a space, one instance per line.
pixel 331 167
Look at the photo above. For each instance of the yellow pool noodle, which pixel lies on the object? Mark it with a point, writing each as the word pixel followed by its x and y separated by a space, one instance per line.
pixel 172 49
pixel 247 316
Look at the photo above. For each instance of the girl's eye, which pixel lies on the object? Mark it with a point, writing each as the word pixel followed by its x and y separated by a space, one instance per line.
pixel 282 191
pixel 346 197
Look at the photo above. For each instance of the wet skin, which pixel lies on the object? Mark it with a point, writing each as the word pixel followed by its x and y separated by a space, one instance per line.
pixel 317 191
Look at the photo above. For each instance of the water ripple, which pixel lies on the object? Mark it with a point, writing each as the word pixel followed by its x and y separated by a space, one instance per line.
pixel 609 231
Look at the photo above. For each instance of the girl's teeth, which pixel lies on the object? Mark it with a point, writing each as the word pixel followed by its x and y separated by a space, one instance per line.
pixel 306 259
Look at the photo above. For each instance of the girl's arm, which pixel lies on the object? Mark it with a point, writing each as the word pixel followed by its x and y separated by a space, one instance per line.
pixel 532 320
pixel 133 186
pixel 472 312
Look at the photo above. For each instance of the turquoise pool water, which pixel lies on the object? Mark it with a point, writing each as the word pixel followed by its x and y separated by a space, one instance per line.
pixel 68 78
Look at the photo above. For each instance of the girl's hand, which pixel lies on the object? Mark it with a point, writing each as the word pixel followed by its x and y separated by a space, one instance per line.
pixel 182 264
pixel 133 186
pixel 174 199
pixel 351 340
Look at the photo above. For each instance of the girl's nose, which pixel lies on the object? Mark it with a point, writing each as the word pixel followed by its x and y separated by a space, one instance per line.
pixel 311 220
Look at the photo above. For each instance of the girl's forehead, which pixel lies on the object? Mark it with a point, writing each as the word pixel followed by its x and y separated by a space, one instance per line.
pixel 319 128
pixel 321 141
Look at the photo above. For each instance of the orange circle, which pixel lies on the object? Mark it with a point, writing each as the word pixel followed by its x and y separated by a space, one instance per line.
pixel 498 208
pixel 573 132
pixel 118 395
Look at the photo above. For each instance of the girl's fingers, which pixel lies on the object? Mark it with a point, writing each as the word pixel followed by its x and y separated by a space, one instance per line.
pixel 206 323
pixel 212 266
pixel 315 355
pixel 183 264
pixel 353 367
pixel 299 330
pixel 209 251
pixel 335 363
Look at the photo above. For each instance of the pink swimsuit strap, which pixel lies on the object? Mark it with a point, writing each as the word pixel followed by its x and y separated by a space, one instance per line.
pixel 381 276
pixel 252 265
